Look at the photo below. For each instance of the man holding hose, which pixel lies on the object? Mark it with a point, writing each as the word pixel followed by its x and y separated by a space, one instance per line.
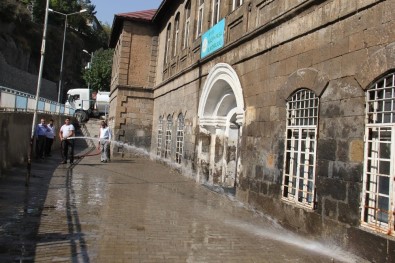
pixel 104 142
pixel 66 132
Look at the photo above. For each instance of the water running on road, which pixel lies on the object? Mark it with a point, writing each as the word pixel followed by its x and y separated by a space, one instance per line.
pixel 274 231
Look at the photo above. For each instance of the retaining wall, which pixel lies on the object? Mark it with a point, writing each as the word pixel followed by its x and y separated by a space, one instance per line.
pixel 15 132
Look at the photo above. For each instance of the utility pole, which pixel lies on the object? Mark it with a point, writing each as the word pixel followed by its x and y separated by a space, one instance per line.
pixel 30 153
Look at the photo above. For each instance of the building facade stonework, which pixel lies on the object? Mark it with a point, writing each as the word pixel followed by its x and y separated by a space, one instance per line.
pixel 295 111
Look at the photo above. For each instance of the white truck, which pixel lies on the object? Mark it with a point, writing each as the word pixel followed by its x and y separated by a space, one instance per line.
pixel 87 103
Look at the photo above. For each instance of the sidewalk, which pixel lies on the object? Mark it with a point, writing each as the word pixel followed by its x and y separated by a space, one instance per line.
pixel 135 210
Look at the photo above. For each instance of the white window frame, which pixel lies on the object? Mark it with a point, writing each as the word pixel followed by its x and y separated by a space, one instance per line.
pixel 216 12
pixel 187 24
pixel 168 43
pixel 176 33
pixel 378 188
pixel 180 138
pixel 169 128
pixel 298 186
pixel 200 16
pixel 160 137
pixel 236 4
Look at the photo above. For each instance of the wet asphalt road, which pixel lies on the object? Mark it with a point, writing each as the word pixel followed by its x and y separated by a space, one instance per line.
pixel 136 210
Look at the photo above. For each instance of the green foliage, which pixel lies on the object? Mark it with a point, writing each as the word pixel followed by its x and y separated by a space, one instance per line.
pixel 98 76
pixel 106 29
pixel 25 28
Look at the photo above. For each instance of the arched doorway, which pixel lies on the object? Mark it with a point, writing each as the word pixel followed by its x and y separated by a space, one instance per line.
pixel 221 117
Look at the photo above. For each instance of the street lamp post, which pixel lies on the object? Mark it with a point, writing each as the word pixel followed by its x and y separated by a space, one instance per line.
pixel 64 43
pixel 90 54
pixel 90 62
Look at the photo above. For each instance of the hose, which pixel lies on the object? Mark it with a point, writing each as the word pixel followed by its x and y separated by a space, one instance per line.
pixel 86 155
pixel 79 156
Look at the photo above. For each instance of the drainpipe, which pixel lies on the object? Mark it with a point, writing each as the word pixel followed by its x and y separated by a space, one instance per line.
pixel 237 153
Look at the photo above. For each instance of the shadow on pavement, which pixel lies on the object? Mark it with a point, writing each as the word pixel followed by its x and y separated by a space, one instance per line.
pixel 22 210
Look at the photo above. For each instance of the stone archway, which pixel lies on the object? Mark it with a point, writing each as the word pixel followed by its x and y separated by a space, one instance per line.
pixel 221 117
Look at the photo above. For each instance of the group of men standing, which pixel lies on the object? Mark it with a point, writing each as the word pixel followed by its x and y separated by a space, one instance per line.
pixel 46 135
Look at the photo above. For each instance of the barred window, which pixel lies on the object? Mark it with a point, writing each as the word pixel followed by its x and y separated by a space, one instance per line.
pixel 300 149
pixel 378 177
pixel 180 138
pixel 168 137
pixel 160 136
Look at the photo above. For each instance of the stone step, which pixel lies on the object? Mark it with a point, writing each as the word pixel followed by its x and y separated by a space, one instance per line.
pixel 91 129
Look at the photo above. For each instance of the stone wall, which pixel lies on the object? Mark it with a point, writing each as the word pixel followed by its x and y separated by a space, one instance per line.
pixel 131 105
pixel 183 100
pixel 133 122
pixel 136 55
pixel 15 132
pixel 336 49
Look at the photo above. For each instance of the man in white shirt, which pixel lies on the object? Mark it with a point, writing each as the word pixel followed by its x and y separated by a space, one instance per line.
pixel 104 142
pixel 50 138
pixel 66 132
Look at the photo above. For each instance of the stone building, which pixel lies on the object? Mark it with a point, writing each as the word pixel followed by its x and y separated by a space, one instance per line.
pixel 290 102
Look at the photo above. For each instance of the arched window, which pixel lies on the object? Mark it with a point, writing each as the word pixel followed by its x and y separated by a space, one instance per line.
pixel 160 137
pixel 378 177
pixel 169 128
pixel 168 42
pixel 200 15
pixel 176 33
pixel 180 138
pixel 187 24
pixel 236 4
pixel 216 10
pixel 300 148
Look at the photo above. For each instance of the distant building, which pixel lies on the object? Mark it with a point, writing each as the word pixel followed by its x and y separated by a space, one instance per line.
pixel 291 102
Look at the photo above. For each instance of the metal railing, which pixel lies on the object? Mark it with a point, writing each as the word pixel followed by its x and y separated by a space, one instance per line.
pixel 14 100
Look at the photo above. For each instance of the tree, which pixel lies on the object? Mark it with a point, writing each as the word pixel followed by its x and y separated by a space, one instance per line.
pixel 23 23
pixel 98 75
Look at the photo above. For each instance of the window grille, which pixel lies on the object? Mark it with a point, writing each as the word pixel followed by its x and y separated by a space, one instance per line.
pixel 216 10
pixel 200 15
pixel 180 138
pixel 168 137
pixel 176 34
pixel 378 177
pixel 187 23
pixel 160 136
pixel 300 150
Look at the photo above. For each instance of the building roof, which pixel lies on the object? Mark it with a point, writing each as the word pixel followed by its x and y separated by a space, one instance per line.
pixel 144 16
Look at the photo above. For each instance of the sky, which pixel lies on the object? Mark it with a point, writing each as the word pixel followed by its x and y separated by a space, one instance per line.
pixel 106 9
